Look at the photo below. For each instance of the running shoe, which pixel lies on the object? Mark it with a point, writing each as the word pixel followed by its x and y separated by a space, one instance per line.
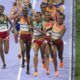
pixel 27 72
pixel 22 65
pixel 56 73
pixel 44 66
pixel 4 66
pixel 47 72
pixel 61 64
pixel 35 73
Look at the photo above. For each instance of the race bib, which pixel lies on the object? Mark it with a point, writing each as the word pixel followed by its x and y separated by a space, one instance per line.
pixel 55 35
pixel 3 28
pixel 36 33
pixel 24 28
pixel 48 33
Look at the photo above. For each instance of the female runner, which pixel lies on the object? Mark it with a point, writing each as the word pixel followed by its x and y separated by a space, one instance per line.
pixel 4 34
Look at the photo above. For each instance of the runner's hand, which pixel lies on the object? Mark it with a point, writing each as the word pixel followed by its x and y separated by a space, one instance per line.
pixel 9 32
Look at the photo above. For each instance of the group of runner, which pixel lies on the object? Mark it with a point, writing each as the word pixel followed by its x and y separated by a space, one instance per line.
pixel 44 30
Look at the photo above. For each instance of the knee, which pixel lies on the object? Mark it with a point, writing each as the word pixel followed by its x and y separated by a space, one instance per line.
pixel 55 55
pixel 22 50
pixel 47 55
pixel 1 51
pixel 36 54
pixel 6 48
pixel 35 51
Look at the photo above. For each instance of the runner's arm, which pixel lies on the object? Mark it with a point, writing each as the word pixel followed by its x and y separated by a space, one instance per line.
pixel 13 13
pixel 63 31
pixel 10 22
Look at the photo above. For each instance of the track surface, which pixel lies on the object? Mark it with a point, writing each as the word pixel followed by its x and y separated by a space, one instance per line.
pixel 13 63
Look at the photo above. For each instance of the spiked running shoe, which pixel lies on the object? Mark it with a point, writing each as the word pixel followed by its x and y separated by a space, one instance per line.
pixel 61 64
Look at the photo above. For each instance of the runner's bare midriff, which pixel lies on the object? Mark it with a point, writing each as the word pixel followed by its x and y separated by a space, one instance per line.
pixel 25 32
pixel 39 38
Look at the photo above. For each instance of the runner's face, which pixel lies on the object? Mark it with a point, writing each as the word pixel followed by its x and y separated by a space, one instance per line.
pixel 19 2
pixel 60 19
pixel 25 13
pixel 26 2
pixel 1 10
pixel 37 17
pixel 51 2
pixel 47 15
pixel 43 9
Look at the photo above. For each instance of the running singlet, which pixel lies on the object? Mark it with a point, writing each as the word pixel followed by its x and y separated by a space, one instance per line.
pixel 60 6
pixel 56 31
pixel 23 25
pixel 48 27
pixel 25 33
pixel 37 26
pixel 4 25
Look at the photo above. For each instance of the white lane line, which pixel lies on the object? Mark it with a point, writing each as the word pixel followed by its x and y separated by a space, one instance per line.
pixel 19 74
pixel 71 1
pixel 65 42
pixel 20 69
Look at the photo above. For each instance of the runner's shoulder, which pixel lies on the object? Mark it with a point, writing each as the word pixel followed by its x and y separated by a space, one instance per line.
pixel 6 17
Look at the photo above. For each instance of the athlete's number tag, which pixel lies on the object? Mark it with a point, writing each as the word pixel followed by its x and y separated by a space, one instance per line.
pixel 3 28
pixel 55 36
pixel 36 33
pixel 24 28
pixel 48 33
